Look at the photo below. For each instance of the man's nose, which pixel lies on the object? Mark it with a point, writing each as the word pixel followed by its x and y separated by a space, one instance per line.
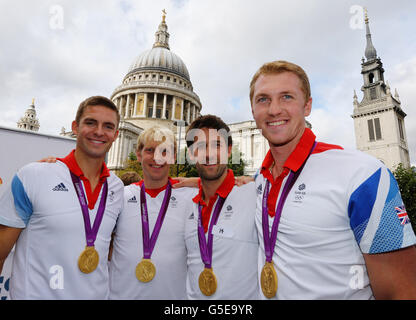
pixel 274 108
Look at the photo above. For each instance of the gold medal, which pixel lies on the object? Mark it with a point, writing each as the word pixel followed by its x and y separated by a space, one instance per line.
pixel 88 260
pixel 207 282
pixel 145 270
pixel 268 280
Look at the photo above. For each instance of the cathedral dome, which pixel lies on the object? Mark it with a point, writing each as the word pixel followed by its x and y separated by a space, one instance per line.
pixel 162 59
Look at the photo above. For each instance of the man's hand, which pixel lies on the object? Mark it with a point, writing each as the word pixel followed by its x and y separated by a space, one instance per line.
pixel 239 181
pixel 49 159
pixel 185 182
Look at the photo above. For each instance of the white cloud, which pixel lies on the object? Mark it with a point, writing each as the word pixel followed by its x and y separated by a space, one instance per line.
pixel 221 42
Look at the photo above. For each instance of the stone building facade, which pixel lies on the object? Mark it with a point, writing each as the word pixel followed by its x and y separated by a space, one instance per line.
pixel 156 90
pixel 379 118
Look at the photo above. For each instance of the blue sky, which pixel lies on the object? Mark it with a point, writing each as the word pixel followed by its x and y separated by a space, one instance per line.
pixel 59 62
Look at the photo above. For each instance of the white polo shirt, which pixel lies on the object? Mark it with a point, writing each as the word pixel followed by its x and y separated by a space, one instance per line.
pixel 235 245
pixel 45 263
pixel 343 204
pixel 169 253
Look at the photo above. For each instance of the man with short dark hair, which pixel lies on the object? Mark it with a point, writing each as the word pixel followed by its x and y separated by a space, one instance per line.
pixel 61 215
pixel 331 222
pixel 220 233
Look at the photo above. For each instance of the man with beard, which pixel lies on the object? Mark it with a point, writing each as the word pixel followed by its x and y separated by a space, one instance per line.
pixel 220 233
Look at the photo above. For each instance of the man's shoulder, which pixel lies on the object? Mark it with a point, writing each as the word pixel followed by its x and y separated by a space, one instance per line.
pixel 185 192
pixel 347 157
pixel 246 190
pixel 36 169
pixel 115 181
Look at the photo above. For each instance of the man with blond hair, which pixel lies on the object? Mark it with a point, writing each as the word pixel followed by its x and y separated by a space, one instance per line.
pixel 331 221
pixel 149 259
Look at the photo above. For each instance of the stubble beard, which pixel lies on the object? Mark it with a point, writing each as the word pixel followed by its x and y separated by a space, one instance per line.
pixel 204 176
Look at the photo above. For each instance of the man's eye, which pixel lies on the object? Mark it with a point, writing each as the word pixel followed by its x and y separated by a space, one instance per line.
pixel 262 99
pixel 287 97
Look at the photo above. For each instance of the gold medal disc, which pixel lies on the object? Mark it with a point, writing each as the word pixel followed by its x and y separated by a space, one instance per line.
pixel 88 260
pixel 268 280
pixel 207 282
pixel 145 270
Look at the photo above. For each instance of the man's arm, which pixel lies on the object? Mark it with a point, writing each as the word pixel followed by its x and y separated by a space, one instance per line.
pixel 8 237
pixel 393 274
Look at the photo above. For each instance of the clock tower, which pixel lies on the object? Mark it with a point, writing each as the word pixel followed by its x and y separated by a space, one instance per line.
pixel 379 118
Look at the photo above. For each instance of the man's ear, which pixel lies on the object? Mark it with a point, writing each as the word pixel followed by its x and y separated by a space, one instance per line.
pixel 191 156
pixel 116 135
pixel 308 107
pixel 139 156
pixel 74 127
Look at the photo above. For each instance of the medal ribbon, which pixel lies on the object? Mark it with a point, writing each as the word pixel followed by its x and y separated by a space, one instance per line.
pixel 204 247
pixel 149 243
pixel 270 238
pixel 90 233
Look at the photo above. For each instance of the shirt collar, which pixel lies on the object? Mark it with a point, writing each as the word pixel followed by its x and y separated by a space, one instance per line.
pixel 297 157
pixel 223 191
pixel 154 192
pixel 73 166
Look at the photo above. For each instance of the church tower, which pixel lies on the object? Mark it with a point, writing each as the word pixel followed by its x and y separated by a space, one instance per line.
pixel 29 120
pixel 379 118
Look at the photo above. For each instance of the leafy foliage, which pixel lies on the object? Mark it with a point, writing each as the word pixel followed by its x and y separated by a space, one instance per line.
pixel 406 179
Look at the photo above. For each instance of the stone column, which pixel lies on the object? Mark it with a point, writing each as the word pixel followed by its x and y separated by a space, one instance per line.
pixel 154 105
pixel 182 107
pixel 173 108
pixel 188 114
pixel 121 107
pixel 127 106
pixel 164 107
pixel 135 105
pixel 193 113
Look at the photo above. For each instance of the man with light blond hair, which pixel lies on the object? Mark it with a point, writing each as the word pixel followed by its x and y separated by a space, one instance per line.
pixel 149 259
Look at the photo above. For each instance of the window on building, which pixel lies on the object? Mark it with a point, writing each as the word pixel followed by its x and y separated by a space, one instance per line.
pixel 149 112
pixel 374 129
pixel 373 94
pixel 371 78
pixel 167 114
pixel 401 131
pixel 158 113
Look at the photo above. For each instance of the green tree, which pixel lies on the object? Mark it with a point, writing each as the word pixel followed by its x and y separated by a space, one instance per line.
pixel 131 164
pixel 238 168
pixel 406 179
